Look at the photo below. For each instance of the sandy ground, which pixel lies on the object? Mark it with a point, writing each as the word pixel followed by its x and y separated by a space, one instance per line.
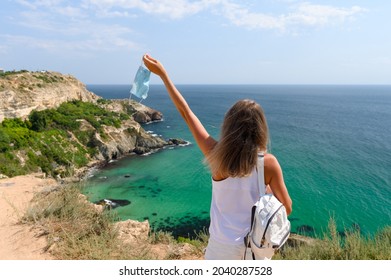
pixel 19 241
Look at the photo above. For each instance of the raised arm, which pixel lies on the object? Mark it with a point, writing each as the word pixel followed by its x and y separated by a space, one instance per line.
pixel 202 137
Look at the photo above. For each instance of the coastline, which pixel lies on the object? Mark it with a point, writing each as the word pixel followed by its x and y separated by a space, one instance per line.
pixel 19 241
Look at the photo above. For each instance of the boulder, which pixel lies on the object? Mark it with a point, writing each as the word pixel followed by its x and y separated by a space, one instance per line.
pixel 132 231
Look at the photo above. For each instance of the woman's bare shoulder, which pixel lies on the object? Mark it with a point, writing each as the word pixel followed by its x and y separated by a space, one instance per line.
pixel 271 163
pixel 270 159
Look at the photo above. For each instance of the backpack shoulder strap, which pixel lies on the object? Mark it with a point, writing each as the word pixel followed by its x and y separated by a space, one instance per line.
pixel 261 174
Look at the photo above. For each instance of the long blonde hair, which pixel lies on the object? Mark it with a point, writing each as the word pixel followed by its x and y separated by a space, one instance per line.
pixel 244 133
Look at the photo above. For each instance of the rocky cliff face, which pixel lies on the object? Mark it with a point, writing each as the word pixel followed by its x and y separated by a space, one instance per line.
pixel 130 137
pixel 20 93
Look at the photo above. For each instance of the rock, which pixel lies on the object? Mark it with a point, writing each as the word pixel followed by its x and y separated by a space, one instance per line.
pixel 141 150
pixel 176 141
pixel 130 137
pixel 139 112
pixel 141 117
pixel 111 203
pixel 296 240
pixel 131 231
pixel 145 114
pixel 118 141
pixel 98 208
pixel 149 141
pixel 40 175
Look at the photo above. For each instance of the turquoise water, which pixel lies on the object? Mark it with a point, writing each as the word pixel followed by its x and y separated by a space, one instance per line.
pixel 332 143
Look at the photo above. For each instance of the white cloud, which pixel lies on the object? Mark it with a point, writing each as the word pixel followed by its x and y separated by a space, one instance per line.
pixel 57 26
pixel 299 13
pixel 174 9
pixel 26 4
pixel 320 15
pixel 80 24
pixel 304 14
pixel 71 12
pixel 241 16
pixel 36 4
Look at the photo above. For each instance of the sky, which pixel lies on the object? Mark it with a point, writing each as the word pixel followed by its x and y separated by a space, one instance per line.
pixel 201 41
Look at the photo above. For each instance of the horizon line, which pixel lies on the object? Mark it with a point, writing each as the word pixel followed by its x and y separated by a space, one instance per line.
pixel 248 84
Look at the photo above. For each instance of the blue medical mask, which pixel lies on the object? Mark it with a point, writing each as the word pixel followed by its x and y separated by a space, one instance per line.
pixel 140 85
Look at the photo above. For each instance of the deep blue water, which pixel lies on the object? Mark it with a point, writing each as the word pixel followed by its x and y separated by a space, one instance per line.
pixel 332 142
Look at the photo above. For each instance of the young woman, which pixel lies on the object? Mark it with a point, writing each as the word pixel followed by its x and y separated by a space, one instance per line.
pixel 232 160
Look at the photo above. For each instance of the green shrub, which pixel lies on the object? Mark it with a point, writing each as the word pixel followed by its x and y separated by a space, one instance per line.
pixel 5 141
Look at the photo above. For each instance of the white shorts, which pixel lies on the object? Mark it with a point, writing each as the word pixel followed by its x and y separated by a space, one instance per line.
pixel 220 251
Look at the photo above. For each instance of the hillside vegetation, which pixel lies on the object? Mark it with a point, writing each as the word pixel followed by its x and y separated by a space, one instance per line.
pixel 51 140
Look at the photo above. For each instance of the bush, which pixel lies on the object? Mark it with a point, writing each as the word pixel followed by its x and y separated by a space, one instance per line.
pixel 13 72
pixel 14 134
pixel 5 141
pixel 10 165
pixel 39 120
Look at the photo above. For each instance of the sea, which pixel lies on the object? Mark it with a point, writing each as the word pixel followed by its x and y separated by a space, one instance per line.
pixel 333 143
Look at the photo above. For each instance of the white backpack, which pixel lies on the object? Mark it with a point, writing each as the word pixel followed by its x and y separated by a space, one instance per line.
pixel 270 227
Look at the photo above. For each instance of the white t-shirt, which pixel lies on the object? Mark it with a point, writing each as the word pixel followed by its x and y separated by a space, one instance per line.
pixel 230 214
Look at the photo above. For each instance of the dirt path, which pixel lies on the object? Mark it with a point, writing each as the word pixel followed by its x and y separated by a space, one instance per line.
pixel 19 241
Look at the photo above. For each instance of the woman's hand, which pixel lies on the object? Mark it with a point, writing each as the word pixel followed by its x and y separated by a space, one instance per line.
pixel 202 137
pixel 154 66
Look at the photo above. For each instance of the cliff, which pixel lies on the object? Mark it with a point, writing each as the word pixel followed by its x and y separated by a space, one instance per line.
pixel 129 136
pixel 21 92
pixel 50 122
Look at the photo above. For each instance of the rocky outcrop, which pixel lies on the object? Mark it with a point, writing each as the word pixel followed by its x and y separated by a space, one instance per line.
pixel 145 114
pixel 139 112
pixel 130 137
pixel 20 93
pixel 130 231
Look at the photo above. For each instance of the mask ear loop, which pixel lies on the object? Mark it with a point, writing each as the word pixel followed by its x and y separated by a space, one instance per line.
pixel 130 95
pixel 142 65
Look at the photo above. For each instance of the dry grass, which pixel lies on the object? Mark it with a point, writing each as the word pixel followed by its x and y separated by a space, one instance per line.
pixel 351 246
pixel 75 230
